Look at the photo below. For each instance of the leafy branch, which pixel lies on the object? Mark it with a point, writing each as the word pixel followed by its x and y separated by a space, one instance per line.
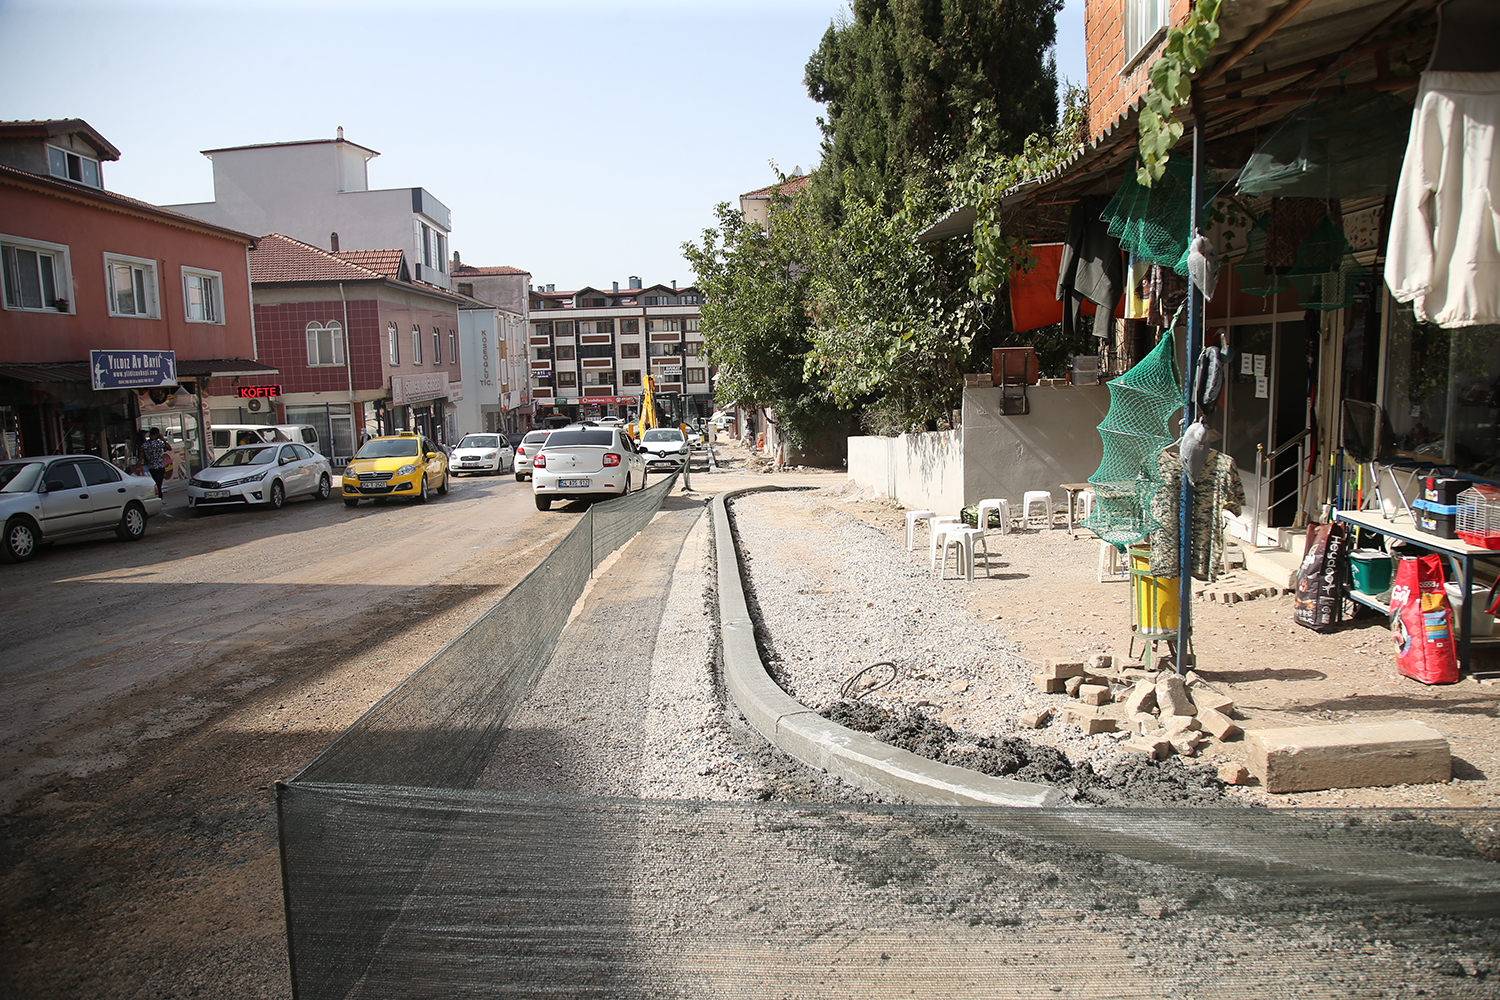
pixel 1171 87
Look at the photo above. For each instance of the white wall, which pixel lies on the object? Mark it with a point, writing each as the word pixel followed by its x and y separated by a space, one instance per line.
pixel 1057 442
pixel 992 455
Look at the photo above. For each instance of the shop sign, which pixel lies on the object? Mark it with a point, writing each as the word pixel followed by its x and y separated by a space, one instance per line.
pixel 132 369
pixel 259 391
pixel 415 388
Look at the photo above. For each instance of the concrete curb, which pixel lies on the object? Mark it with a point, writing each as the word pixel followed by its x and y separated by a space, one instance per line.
pixel 800 732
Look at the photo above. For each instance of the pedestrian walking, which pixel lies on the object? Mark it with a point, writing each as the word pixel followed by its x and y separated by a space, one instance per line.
pixel 154 453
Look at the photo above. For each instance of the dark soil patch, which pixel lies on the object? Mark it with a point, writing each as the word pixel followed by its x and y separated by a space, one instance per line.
pixel 1134 780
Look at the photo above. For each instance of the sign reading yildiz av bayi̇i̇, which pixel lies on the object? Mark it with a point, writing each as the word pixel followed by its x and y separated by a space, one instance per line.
pixel 133 369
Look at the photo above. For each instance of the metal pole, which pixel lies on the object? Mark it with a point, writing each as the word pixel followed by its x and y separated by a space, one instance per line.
pixel 1189 414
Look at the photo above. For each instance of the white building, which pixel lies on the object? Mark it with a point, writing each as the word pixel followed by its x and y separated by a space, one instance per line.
pixel 494 332
pixel 318 192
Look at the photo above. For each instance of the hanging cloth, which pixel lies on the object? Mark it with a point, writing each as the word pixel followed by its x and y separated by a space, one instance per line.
pixel 1217 488
pixel 1033 293
pixel 1443 255
pixel 1091 267
pixel 1137 288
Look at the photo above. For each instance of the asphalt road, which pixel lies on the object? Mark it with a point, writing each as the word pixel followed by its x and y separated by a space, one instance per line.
pixel 154 692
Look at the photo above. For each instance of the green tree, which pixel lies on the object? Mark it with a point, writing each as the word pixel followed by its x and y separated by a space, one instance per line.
pixel 905 82
pixel 755 312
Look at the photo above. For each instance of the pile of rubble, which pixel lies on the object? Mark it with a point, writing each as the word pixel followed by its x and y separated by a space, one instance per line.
pixel 1151 711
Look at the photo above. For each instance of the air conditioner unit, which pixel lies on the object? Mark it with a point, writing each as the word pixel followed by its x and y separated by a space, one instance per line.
pixel 253 405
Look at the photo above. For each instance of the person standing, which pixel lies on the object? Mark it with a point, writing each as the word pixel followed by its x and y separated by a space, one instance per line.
pixel 154 454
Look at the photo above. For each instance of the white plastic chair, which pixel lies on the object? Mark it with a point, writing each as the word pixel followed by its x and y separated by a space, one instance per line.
pixel 998 505
pixel 963 539
pixel 912 517
pixel 938 526
pixel 1033 498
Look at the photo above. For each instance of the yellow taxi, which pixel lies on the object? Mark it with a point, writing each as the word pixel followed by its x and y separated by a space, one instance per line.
pixel 399 465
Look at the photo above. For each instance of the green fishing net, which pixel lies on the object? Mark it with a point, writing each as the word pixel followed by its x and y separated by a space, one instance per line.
pixel 1340 146
pixel 1256 278
pixel 1137 427
pixel 1154 222
pixel 1326 274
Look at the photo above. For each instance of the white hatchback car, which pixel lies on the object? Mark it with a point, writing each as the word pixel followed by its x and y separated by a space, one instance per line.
pixel 488 453
pixel 261 475
pixel 529 446
pixel 586 463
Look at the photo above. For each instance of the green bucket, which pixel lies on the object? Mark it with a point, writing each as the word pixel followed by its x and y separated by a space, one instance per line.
pixel 1370 571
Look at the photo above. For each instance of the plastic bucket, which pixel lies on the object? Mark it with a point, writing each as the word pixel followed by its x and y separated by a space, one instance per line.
pixel 1370 571
pixel 1479 622
pixel 1154 601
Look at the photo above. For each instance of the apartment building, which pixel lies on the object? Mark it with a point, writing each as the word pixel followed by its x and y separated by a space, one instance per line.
pixel 318 192
pixel 493 332
pixel 592 349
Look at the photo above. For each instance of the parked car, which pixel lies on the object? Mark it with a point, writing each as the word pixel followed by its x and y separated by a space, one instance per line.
pixel 665 448
pixel 586 463
pixel 529 446
pixel 269 474
pixel 401 465
pixel 488 453
pixel 50 497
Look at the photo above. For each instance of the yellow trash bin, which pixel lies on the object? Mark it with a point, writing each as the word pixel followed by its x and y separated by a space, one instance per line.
pixel 1153 598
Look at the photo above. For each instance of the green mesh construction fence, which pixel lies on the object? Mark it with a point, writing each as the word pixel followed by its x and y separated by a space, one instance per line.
pixel 1136 428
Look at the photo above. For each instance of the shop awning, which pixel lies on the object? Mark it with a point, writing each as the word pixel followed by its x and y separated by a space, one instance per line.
pixel 78 371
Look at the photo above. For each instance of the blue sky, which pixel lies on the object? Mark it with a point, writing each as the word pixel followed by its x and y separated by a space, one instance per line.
pixel 581 141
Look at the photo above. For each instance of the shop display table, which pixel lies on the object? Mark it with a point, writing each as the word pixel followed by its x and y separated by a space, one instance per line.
pixel 1458 554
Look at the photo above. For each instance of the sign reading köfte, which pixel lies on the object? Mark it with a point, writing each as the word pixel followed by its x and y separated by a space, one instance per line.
pixel 259 391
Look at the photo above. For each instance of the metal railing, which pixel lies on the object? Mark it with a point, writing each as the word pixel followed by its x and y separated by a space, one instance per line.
pixel 1263 483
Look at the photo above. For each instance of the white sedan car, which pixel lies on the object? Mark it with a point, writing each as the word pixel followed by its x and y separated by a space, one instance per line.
pixel 665 449
pixel 586 463
pixel 261 474
pixel 57 496
pixel 487 453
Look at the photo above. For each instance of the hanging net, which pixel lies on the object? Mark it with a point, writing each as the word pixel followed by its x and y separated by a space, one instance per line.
pixel 1154 222
pixel 1137 427
pixel 1326 273
pixel 1343 146
pixel 1256 275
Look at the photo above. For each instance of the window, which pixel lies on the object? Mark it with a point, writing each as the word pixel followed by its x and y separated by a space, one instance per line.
pixel 596 351
pixel 697 375
pixel 567 380
pixel 542 329
pixel 663 325
pixel 565 352
pixel 34 273
pixel 599 376
pixel 452 348
pixel 325 344
pixel 630 326
pixel 630 378
pixel 437 346
pixel 662 350
pixel 132 286
pixel 585 326
pixel 72 167
pixel 656 300
pixel 393 343
pixel 426 245
pixel 416 345
pixel 97 472
pixel 203 296
pixel 1143 20
pixel 605 326
pixel 690 323
pixel 442 251
pixel 565 328
pixel 595 303
pixel 693 348
pixel 691 300
pixel 630 350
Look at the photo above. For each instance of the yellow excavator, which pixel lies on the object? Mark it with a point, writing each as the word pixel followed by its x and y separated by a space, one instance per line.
pixel 647 418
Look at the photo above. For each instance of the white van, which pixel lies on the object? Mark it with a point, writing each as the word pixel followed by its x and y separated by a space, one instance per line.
pixel 225 436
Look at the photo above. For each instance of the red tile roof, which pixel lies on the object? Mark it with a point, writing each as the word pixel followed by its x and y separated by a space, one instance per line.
pixel 387 262
pixel 467 269
pixel 790 187
pixel 281 258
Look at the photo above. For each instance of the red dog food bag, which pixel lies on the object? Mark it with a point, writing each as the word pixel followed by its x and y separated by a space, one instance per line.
pixel 1422 622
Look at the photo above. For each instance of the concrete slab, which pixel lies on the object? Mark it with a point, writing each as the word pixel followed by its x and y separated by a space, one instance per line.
pixel 1354 755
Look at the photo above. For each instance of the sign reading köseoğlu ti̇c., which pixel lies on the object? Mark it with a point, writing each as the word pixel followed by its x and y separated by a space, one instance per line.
pixel 132 369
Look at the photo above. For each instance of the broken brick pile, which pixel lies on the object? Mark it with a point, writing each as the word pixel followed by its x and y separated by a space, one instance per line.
pixel 1154 712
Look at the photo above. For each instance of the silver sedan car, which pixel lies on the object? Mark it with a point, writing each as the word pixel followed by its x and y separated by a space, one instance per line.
pixel 261 475
pixel 49 497
pixel 488 453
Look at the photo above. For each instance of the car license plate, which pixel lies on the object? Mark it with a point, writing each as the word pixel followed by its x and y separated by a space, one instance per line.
pixel 572 484
pixel 215 494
